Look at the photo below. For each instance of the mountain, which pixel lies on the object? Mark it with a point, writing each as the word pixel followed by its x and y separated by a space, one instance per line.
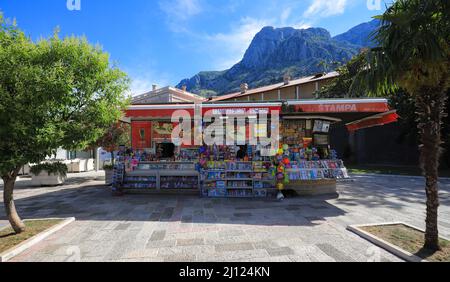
pixel 360 35
pixel 274 52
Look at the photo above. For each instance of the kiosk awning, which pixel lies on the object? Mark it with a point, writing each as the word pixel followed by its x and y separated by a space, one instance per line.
pixel 339 106
pixel 356 114
pixel 376 120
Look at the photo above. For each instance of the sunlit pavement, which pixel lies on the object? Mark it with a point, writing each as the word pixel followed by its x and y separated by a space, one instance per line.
pixel 186 228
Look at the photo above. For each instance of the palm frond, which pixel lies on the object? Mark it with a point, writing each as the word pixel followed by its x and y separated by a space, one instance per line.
pixel 413 46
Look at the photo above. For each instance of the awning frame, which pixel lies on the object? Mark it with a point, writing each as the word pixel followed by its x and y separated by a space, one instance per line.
pixel 352 125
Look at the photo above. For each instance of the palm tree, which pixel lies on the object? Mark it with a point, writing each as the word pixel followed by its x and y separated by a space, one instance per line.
pixel 413 54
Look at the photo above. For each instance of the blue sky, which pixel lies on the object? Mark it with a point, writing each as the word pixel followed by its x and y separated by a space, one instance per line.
pixel 164 41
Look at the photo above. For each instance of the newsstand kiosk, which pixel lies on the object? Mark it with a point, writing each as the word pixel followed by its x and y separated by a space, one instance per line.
pixel 304 160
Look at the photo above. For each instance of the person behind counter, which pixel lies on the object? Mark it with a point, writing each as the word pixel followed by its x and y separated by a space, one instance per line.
pixel 242 153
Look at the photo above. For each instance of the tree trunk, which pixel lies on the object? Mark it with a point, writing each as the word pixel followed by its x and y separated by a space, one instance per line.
pixel 430 103
pixel 112 158
pixel 8 197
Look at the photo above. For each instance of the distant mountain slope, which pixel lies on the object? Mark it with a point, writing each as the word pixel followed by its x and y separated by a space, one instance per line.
pixel 277 51
pixel 360 35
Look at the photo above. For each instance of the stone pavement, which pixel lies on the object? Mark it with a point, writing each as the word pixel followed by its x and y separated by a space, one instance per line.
pixel 186 228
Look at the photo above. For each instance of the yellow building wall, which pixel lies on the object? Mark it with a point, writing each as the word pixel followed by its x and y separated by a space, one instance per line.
pixel 271 95
pixel 306 91
pixel 288 93
pixel 256 98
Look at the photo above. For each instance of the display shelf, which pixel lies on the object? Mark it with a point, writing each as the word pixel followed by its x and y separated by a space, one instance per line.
pixel 142 173
pixel 152 176
pixel 178 173
pixel 237 179
pixel 223 187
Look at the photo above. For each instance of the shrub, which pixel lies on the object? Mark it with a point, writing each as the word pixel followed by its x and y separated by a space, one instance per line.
pixel 108 167
pixel 51 168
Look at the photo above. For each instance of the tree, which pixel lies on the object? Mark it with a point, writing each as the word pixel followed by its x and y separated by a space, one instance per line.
pixel 340 87
pixel 399 99
pixel 53 93
pixel 326 66
pixel 413 54
pixel 116 135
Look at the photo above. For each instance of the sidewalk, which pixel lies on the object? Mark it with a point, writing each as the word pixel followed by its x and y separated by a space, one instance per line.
pixel 72 178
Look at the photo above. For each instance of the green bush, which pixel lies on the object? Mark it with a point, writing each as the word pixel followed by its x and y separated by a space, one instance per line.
pixel 108 167
pixel 51 168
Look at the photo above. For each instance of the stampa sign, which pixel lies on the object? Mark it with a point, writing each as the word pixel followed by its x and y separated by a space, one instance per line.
pixel 342 107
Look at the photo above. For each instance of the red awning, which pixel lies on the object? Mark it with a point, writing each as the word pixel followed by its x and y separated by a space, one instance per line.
pixel 341 106
pixel 376 120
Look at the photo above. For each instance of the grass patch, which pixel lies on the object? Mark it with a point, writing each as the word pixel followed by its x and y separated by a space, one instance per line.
pixel 393 170
pixel 8 239
pixel 410 240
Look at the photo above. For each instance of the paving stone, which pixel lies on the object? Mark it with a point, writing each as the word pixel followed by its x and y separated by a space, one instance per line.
pixel 160 244
pixel 285 251
pixel 140 254
pixel 264 245
pixel 186 218
pixel 234 247
pixel 122 226
pixel 231 233
pixel 242 215
pixel 167 213
pixel 237 256
pixel 190 242
pixel 197 229
pixel 155 217
pixel 158 235
pixel 180 258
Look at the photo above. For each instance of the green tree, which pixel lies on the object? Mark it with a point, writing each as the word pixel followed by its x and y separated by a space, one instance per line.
pixel 413 54
pixel 53 93
pixel 340 87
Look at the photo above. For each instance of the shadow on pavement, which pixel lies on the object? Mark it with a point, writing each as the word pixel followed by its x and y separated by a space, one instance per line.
pixel 95 203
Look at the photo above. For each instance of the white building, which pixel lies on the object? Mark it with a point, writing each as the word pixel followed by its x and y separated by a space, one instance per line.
pixel 167 95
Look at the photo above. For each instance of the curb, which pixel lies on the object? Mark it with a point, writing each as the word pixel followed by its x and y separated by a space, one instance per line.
pixel 9 254
pixel 407 256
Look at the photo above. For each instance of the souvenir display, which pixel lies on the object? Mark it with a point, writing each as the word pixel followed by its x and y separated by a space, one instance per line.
pixel 233 171
pixel 140 182
pixel 237 179
pixel 294 131
pixel 179 182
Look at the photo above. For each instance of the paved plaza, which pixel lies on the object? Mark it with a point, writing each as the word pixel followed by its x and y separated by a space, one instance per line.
pixel 188 228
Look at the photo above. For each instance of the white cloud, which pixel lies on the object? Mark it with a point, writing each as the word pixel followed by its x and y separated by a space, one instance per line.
pixel 179 11
pixel 227 48
pixel 325 8
pixel 301 25
pixel 285 15
pixel 144 81
pixel 232 45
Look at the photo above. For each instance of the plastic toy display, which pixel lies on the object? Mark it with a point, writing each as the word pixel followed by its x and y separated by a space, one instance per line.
pixel 235 171
pixel 236 179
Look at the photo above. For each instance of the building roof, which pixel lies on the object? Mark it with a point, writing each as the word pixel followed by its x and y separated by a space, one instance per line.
pixel 189 97
pixel 281 85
